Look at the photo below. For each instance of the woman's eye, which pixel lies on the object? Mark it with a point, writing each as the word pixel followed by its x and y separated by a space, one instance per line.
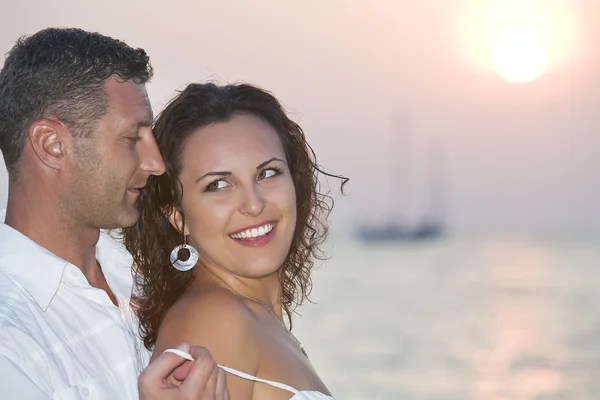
pixel 217 185
pixel 268 173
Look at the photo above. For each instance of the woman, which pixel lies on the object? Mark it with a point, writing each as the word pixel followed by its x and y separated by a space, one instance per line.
pixel 227 237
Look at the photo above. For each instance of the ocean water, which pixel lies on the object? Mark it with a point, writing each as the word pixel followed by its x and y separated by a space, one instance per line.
pixel 459 319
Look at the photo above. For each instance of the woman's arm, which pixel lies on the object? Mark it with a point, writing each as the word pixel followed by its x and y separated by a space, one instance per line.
pixel 223 324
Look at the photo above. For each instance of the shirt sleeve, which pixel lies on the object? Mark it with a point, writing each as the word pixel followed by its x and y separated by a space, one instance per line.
pixel 15 384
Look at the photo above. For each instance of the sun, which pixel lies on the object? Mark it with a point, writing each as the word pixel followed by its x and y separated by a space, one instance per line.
pixel 520 40
pixel 520 56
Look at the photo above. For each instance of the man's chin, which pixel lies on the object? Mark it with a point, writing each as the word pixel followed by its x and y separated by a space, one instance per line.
pixel 127 220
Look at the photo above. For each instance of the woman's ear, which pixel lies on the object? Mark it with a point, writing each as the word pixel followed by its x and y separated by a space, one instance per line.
pixel 176 219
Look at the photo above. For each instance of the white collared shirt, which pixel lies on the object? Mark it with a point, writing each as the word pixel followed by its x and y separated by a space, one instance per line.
pixel 61 338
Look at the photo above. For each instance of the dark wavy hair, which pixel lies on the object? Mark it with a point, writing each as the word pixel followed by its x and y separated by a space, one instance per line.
pixel 61 71
pixel 153 237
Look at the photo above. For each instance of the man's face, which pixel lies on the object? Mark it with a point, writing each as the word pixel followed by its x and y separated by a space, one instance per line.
pixel 112 165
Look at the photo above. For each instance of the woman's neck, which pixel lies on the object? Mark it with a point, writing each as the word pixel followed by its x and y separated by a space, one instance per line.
pixel 265 290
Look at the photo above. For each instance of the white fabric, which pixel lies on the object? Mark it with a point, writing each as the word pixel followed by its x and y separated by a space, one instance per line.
pixel 255 379
pixel 60 338
pixel 298 394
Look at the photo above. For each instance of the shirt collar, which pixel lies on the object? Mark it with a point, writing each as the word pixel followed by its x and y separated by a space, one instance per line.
pixel 39 272
pixel 116 264
pixel 34 268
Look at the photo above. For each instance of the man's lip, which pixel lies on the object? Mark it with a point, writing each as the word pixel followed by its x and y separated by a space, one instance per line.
pixel 254 226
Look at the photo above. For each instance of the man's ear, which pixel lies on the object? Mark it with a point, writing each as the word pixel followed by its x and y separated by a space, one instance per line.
pixel 47 138
pixel 176 219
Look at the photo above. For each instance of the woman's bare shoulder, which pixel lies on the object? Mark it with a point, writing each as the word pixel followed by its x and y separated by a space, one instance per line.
pixel 211 306
pixel 216 319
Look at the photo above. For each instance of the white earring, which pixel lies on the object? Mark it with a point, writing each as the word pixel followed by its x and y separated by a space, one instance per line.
pixel 187 264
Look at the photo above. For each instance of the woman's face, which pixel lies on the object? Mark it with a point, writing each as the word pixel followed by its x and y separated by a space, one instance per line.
pixel 238 198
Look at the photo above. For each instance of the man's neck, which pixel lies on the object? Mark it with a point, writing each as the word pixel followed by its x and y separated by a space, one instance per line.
pixel 44 224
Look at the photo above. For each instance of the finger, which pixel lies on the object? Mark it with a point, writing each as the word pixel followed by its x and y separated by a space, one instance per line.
pixel 211 385
pixel 195 383
pixel 160 368
pixel 222 392
pixel 199 352
pixel 180 353
pixel 182 371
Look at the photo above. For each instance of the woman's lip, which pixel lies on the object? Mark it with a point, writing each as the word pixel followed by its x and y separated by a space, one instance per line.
pixel 258 241
pixel 274 223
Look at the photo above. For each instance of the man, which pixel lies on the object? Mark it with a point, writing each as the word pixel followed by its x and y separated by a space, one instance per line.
pixel 75 132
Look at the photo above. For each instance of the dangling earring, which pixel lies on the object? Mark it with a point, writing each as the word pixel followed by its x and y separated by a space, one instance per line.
pixel 186 265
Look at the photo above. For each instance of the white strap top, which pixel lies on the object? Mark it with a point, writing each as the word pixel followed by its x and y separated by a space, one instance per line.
pixel 298 395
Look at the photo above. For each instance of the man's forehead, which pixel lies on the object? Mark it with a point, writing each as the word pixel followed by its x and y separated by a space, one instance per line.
pixel 131 99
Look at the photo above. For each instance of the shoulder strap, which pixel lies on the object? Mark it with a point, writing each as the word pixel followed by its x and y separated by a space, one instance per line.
pixel 244 375
pixel 235 372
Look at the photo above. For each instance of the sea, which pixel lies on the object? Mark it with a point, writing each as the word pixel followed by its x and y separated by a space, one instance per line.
pixel 472 318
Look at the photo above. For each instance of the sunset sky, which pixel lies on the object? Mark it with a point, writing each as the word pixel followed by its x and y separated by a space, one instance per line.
pixel 381 87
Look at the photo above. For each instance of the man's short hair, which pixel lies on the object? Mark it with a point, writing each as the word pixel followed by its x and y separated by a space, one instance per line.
pixel 61 72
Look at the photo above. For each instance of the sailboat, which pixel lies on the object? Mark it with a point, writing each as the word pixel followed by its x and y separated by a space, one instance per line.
pixel 430 227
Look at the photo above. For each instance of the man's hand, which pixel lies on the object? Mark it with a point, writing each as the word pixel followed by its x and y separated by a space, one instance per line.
pixel 201 379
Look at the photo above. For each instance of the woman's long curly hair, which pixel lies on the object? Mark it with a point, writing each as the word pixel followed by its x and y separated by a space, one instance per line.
pixel 152 239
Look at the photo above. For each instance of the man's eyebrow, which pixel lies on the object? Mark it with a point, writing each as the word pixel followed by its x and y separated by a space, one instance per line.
pixel 139 124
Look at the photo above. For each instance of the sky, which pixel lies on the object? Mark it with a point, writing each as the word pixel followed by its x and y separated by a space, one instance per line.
pixel 393 94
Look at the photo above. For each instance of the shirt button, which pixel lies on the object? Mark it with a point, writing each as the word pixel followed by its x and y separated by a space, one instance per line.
pixel 74 273
pixel 85 391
